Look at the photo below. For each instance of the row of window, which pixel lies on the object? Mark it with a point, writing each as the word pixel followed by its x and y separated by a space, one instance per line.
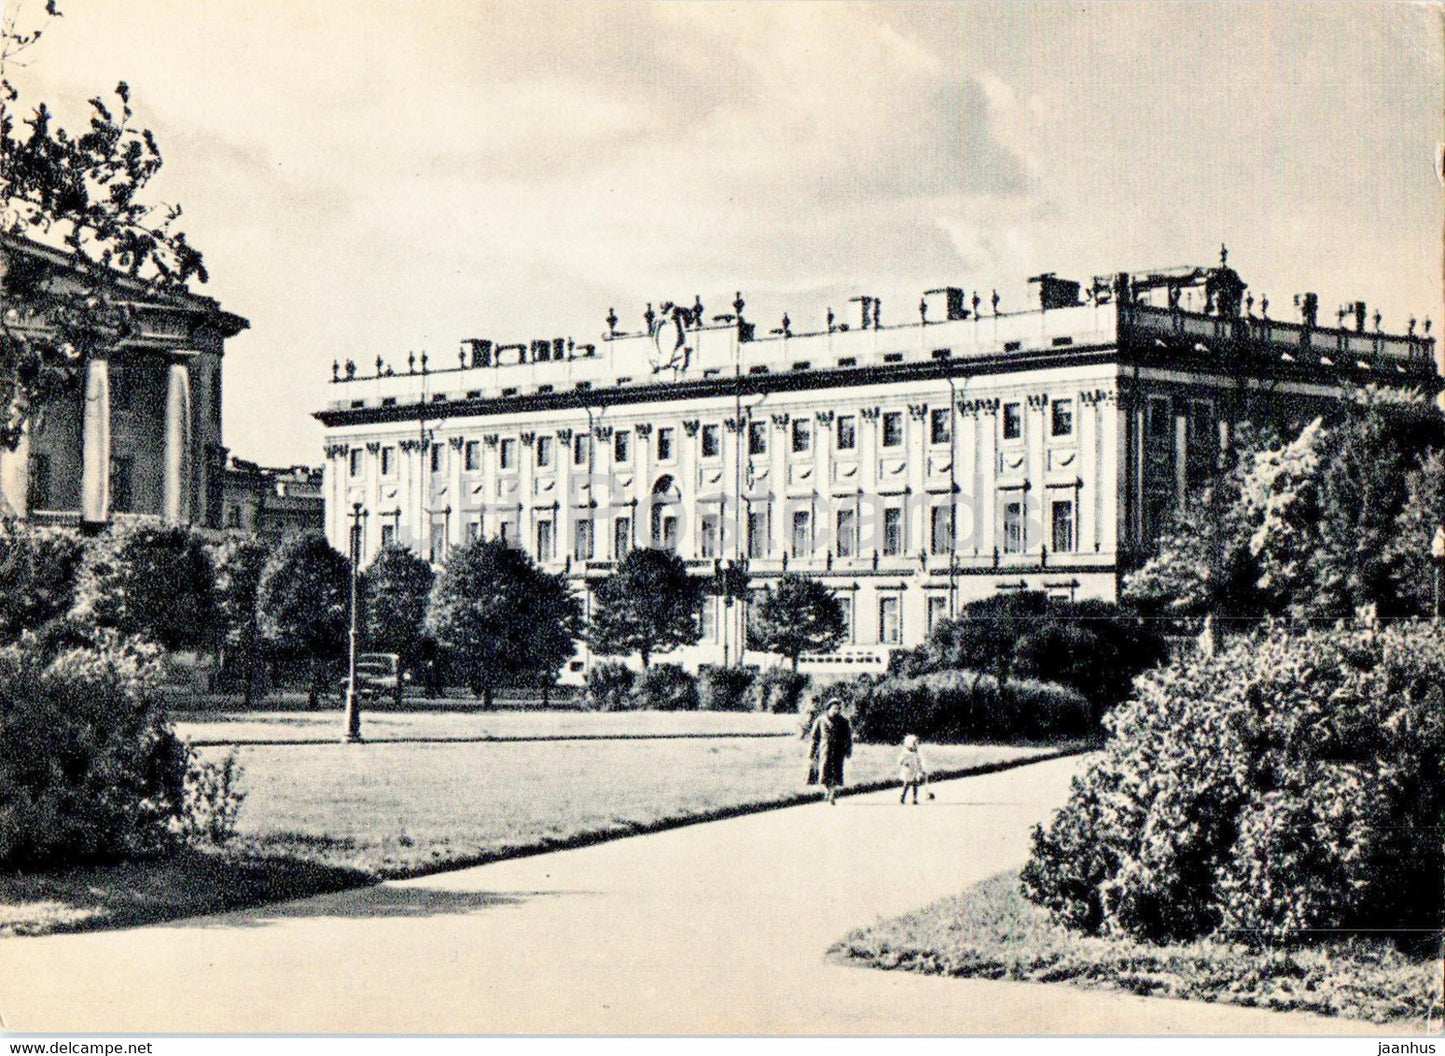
pixel 888 628
pixel 1062 524
pixel 800 439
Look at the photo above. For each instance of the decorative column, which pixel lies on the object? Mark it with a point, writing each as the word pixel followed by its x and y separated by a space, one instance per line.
pixel 176 482
pixel 95 444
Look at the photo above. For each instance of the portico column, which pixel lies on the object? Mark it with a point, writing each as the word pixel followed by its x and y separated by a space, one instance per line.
pixel 95 444
pixel 177 492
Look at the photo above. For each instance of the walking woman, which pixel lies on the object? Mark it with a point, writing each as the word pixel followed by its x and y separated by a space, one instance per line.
pixel 830 744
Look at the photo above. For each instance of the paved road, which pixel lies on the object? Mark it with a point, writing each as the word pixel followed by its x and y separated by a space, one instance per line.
pixel 716 928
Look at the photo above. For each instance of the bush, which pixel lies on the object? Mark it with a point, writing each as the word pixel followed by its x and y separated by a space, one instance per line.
pixel 212 801
pixel 666 687
pixel 38 567
pixel 725 688
pixel 961 705
pixel 609 686
pixel 152 580
pixel 1289 785
pixel 88 770
pixel 779 690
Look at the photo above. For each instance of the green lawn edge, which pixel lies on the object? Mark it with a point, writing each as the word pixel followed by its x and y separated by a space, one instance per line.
pixel 251 873
pixel 991 931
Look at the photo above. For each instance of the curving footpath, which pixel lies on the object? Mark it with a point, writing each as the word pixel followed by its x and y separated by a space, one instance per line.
pixel 713 928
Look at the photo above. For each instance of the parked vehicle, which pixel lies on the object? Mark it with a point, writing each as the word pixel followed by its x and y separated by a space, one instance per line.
pixel 378 675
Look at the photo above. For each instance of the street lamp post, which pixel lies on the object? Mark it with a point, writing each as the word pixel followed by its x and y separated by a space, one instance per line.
pixel 353 704
pixel 1437 558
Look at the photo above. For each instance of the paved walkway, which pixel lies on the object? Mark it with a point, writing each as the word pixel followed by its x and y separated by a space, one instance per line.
pixel 716 928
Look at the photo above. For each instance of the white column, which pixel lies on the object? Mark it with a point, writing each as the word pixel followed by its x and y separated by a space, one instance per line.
pixel 177 479
pixel 95 444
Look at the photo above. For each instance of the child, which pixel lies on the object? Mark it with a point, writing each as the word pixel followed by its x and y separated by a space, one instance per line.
pixel 911 770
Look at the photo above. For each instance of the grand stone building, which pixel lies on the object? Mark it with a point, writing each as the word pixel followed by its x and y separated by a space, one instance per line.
pixel 911 467
pixel 141 434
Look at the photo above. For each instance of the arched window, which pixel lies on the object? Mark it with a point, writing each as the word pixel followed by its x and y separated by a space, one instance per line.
pixel 666 512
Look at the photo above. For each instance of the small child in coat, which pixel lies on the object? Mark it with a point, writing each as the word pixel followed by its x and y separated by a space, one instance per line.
pixel 911 770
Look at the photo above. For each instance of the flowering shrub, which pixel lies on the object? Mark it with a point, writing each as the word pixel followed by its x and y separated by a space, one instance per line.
pixel 89 770
pixel 1292 783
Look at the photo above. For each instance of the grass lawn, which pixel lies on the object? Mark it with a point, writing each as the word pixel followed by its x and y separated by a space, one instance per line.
pixel 456 725
pixel 992 932
pixel 318 817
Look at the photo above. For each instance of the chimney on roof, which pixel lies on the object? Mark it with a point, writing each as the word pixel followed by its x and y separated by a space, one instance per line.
pixel 1055 292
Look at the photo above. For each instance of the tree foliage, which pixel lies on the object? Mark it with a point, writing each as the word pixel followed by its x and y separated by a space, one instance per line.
pixel 397 586
pixel 81 193
pixel 649 605
pixel 501 619
pixel 303 602
pixel 1307 527
pixel 798 615
pixel 240 561
pixel 151 580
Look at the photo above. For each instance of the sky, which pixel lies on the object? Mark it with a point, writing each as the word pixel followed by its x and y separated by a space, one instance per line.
pixel 371 178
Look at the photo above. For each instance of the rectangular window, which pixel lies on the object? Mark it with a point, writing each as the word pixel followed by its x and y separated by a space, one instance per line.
pixel 802 533
pixel 847 533
pixel 507 533
pixel 621 537
pixel 472 456
pixel 354 462
pixel 582 541
pixel 508 457
pixel 665 446
pixel 1013 528
pixel 707 619
pixel 1061 418
pixel 707 542
pixel 758 533
pixel 1159 422
pixel 847 432
pixel 892 531
pixel 757 438
pixel 622 445
pixel 941 529
pixel 802 435
pixel 937 610
pixel 544 540
pixel 1013 421
pixel 581 449
pixel 438 542
pixel 388 535
pixel 438 457
pixel 544 451
pixel 845 602
pixel 388 461
pixel 711 441
pixel 474 531
pixel 940 425
pixel 892 428
pixel 1064 536
pixel 666 529
pixel 890 627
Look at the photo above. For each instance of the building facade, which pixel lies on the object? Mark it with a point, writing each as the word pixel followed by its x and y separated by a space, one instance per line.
pixel 272 502
pixel 913 468
pixel 140 434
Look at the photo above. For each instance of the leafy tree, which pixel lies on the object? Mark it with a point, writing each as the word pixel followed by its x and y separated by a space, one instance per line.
pixel 239 562
pixel 397 586
pixel 80 193
pixel 1421 516
pixel 303 603
pixel 38 567
pixel 798 615
pixel 151 580
pixel 648 606
pixel 501 618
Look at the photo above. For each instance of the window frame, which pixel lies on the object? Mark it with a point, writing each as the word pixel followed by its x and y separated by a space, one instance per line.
pixel 852 424
pixel 943 415
pixel 1065 404
pixel 1012 410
